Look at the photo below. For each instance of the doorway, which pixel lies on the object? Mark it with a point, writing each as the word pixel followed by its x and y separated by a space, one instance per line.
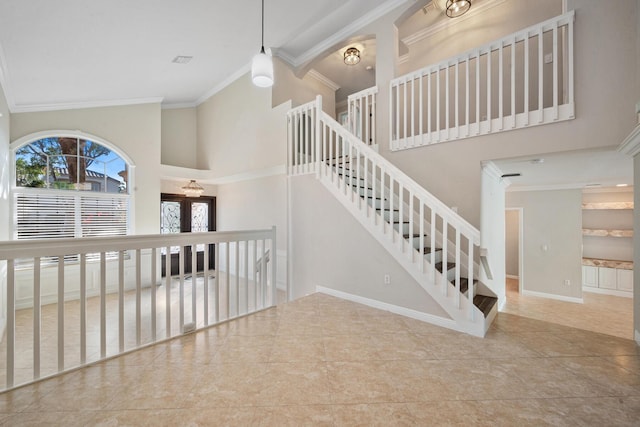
pixel 514 231
pixel 181 214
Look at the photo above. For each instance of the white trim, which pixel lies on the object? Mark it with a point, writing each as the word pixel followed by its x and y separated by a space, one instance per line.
pixel 224 83
pixel 554 187
pixel 407 312
pixel 552 296
pixel 178 106
pixel 637 336
pixel 345 32
pixel 512 276
pixel 85 104
pixel 402 59
pixel 631 144
pixel 248 176
pixel 445 24
pixel 602 291
pixel 324 80
pixel 492 170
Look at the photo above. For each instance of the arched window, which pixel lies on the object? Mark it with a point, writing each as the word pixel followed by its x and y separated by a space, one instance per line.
pixel 69 185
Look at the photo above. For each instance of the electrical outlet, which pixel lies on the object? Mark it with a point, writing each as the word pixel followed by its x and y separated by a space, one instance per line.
pixel 387 279
pixel 567 282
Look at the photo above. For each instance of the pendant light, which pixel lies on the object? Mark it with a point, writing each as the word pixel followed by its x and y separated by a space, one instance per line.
pixel 193 189
pixel 262 64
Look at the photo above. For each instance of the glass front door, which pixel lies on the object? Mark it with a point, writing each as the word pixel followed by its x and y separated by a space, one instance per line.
pixel 180 214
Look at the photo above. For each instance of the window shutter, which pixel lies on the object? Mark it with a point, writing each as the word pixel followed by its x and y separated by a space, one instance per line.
pixel 103 216
pixel 41 216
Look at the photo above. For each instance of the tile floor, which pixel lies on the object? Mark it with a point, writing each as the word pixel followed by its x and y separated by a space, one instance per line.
pixel 324 361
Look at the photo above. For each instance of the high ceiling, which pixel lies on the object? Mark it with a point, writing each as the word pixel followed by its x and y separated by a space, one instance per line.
pixel 77 52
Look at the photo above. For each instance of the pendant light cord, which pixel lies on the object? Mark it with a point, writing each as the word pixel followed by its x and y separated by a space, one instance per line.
pixel 262 50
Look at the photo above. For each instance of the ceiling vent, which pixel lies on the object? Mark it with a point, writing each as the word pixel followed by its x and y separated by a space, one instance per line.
pixel 182 59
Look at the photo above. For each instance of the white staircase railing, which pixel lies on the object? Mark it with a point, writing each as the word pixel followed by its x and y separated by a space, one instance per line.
pixel 362 115
pixel 409 221
pixel 521 80
pixel 96 298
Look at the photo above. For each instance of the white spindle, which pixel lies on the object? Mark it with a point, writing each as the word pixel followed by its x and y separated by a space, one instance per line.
pixel 121 301
pixel 274 261
pixel 227 280
pixel 413 112
pixel 540 76
pixel 154 278
pixel 216 280
pixel 83 309
pixel 445 256
pixel 205 286
pixel 194 279
pixel 411 212
pixel 37 318
pixel 246 275
pixel 570 65
pixel 11 322
pixel 489 90
pixel 470 275
pixel 103 305
pixel 421 220
pixel 513 83
pixel 447 121
pixel 467 119
pixel 457 94
pixel 429 103
pixel 432 234
pixel 138 297
pixel 555 73
pixel 478 91
pixel 458 268
pixel 405 112
pixel 181 287
pixel 501 86
pixel 167 292
pixel 61 313
pixel 237 272
pixel 421 110
pixel 438 104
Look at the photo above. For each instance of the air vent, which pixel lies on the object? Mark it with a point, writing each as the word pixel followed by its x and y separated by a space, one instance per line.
pixel 182 59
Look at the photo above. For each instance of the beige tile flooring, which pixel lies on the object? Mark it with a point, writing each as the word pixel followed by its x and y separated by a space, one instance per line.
pixel 605 314
pixel 324 361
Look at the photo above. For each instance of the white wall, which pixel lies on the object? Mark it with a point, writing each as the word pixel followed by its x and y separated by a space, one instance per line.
pixel 552 242
pixel 492 234
pixel 179 137
pixel 330 248
pixel 134 129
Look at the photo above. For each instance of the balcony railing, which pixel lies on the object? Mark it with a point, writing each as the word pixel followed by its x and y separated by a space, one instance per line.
pixel 105 296
pixel 521 80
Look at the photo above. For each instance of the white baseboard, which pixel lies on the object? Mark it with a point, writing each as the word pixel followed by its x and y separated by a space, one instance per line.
pixel 511 276
pixel 602 291
pixel 407 312
pixel 552 296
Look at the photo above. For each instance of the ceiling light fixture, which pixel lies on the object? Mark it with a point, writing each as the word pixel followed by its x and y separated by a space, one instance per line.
pixel 262 64
pixel 457 8
pixel 351 56
pixel 193 189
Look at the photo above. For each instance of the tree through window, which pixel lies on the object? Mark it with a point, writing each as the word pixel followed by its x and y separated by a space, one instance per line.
pixel 70 163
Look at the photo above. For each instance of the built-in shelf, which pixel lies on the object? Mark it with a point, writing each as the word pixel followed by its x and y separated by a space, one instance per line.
pixel 608 263
pixel 608 205
pixel 607 233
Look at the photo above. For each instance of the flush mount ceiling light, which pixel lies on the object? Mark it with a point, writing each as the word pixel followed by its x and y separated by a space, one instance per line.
pixel 193 189
pixel 457 8
pixel 351 56
pixel 262 64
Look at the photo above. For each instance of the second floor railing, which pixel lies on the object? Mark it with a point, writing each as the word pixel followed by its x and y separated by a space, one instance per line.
pixel 521 80
pixel 71 302
pixel 362 115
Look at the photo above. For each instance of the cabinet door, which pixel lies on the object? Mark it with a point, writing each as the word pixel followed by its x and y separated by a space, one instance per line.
pixel 607 278
pixel 625 280
pixel 589 276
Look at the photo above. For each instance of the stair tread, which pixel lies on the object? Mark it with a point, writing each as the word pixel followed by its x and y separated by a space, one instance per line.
pixel 484 303
pixel 406 236
pixel 450 265
pixel 427 250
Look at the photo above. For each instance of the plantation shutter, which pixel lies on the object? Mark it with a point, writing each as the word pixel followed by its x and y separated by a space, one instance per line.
pixel 47 216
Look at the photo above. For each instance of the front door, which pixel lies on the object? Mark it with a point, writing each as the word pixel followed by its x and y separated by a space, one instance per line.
pixel 181 214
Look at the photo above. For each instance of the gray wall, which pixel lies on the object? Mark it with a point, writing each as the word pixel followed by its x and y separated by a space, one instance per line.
pixel 552 241
pixel 512 250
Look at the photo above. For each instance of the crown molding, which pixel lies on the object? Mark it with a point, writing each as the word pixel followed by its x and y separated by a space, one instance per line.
pixel 324 79
pixel 433 29
pixel 631 144
pixel 345 32
pixel 82 105
pixel 178 105
pixel 179 173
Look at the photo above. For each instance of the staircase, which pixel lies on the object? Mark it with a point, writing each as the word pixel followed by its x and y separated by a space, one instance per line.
pixel 436 246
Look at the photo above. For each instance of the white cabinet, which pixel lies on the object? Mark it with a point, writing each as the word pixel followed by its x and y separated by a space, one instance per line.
pixel 607 278
pixel 624 280
pixel 590 276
